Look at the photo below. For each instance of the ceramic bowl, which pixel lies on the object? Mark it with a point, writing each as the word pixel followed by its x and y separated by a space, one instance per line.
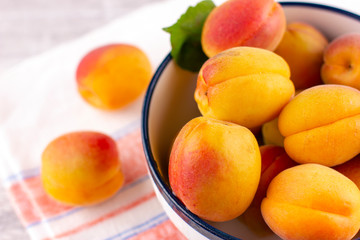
pixel 169 104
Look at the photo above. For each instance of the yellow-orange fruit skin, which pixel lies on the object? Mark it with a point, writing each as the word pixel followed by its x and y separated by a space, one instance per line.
pixel 312 201
pixel 81 168
pixel 342 61
pixel 322 125
pixel 254 23
pixel 244 85
pixel 113 76
pixel 341 143
pixel 214 168
pixel 302 47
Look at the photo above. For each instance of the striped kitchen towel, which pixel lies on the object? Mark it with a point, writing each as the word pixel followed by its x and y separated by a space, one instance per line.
pixel 133 213
pixel 39 102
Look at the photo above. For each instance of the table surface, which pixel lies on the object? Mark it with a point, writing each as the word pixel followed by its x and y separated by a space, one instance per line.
pixel 41 25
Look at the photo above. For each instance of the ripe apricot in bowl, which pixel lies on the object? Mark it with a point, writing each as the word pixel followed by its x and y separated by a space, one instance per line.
pixel 244 85
pixel 214 168
pixel 312 201
pixel 302 47
pixel 253 23
pixel 341 61
pixel 322 125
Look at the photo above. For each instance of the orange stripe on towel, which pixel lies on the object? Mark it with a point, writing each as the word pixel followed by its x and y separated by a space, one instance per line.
pixel 163 231
pixel 133 161
pixel 107 216
pixel 37 206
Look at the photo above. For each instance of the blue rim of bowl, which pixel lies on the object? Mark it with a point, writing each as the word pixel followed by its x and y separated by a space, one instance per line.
pixel 193 220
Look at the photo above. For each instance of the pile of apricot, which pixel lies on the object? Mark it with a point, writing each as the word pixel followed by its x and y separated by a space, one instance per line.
pixel 302 91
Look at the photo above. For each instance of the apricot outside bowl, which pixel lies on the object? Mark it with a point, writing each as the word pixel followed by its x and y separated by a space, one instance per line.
pixel 169 103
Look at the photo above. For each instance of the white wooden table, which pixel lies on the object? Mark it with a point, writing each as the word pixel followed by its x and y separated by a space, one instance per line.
pixel 30 27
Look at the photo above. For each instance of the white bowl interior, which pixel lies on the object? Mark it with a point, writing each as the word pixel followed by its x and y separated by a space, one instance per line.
pixel 172 102
pixel 172 105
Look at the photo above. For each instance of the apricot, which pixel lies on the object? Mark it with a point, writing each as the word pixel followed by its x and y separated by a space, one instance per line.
pixel 271 134
pixel 302 47
pixel 312 201
pixel 351 169
pixel 244 85
pixel 214 168
pixel 253 23
pixel 322 125
pixel 81 168
pixel 113 76
pixel 342 61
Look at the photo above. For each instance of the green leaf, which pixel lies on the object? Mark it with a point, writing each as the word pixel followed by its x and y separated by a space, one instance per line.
pixel 185 36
